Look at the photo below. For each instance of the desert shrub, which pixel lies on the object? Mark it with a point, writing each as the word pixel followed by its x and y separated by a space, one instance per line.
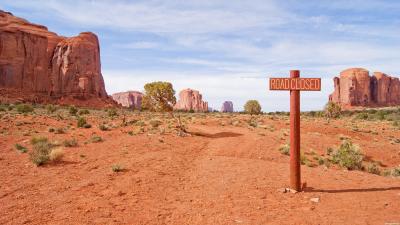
pixel 81 122
pixel 117 168
pixel 51 129
pixel 56 154
pixel 332 110
pixel 72 110
pixel 112 112
pixel 395 172
pixel 140 123
pixel 362 116
pixel 40 152
pixel 373 168
pixel 252 107
pixel 60 130
pixel 3 109
pixel 21 148
pixel 95 139
pixel 159 97
pixel 253 122
pixel 70 143
pixel 103 127
pixel 303 159
pixel 24 108
pixel 285 149
pixel 36 140
pixel 155 123
pixel 51 108
pixel 83 112
pixel 348 155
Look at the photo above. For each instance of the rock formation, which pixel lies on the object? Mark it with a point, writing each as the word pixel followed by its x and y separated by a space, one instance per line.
pixel 40 66
pixel 130 99
pixel 227 106
pixel 355 87
pixel 191 100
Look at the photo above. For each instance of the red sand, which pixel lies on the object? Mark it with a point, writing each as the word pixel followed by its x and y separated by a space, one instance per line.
pixel 225 175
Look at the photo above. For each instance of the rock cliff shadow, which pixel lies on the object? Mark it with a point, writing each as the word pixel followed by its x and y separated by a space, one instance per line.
pixel 216 135
pixel 310 189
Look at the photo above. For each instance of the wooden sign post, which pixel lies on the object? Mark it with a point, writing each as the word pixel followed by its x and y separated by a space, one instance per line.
pixel 295 84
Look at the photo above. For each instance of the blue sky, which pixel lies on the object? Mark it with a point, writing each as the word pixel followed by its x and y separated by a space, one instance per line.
pixel 228 49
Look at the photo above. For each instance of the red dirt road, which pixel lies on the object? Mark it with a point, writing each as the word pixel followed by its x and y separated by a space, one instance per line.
pixel 221 175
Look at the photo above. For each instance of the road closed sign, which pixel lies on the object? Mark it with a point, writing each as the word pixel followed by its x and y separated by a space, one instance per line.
pixel 301 84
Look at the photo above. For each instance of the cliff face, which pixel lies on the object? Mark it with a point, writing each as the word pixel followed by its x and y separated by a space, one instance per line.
pixel 191 100
pixel 38 65
pixel 355 87
pixel 130 99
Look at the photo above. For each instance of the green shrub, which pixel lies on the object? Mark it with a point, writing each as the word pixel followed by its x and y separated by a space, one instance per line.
pixel 83 112
pixel 252 107
pixel 348 155
pixel 70 143
pixel 395 172
pixel 155 123
pixel 112 112
pixel 24 108
pixel 103 127
pixel 373 168
pixel 21 148
pixel 51 108
pixel 332 110
pixel 285 149
pixel 72 110
pixel 40 152
pixel 81 122
pixel 36 140
pixel 95 139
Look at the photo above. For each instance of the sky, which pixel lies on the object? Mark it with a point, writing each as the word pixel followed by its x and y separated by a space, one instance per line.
pixel 228 49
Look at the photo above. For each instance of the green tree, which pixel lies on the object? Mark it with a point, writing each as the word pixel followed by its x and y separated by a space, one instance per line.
pixel 159 97
pixel 252 107
pixel 332 110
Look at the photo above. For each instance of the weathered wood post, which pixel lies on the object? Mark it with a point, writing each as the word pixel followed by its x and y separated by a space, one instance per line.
pixel 295 84
pixel 295 173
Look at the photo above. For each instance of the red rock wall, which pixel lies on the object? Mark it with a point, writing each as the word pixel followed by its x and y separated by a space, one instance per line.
pixel 130 99
pixel 191 100
pixel 355 87
pixel 34 60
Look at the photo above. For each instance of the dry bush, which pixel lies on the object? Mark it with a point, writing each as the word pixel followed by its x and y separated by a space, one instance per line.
pixel 56 154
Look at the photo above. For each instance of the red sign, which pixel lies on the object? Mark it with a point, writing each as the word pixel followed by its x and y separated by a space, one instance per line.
pixel 301 84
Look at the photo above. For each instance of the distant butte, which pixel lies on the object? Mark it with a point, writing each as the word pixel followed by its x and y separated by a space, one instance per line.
pixel 39 66
pixel 355 87
pixel 190 99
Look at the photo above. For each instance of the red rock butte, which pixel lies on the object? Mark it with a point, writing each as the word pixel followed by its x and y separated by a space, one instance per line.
pixel 191 100
pixel 39 66
pixel 355 87
pixel 130 99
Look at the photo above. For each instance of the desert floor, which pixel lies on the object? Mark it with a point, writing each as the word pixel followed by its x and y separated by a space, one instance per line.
pixel 229 170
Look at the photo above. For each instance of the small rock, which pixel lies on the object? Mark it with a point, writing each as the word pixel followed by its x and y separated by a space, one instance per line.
pixel 316 200
pixel 282 190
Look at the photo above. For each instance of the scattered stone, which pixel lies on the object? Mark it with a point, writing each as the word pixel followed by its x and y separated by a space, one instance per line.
pixel 316 200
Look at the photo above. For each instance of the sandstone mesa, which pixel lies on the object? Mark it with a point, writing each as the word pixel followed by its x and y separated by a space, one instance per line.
pixel 129 99
pixel 355 87
pixel 39 66
pixel 190 99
